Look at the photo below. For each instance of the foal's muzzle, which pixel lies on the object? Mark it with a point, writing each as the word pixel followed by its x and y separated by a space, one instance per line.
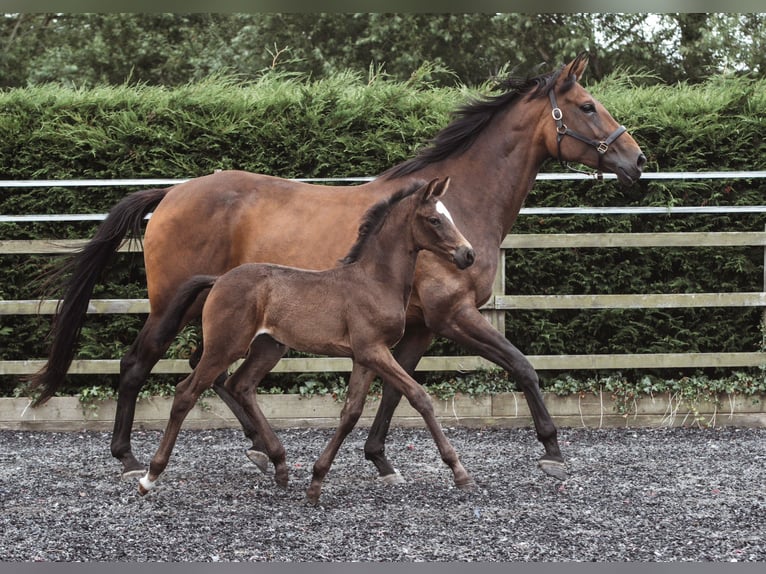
pixel 464 256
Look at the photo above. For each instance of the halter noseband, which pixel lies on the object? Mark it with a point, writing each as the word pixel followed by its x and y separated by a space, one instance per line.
pixel 602 146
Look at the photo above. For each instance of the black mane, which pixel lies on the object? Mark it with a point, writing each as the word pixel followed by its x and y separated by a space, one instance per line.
pixel 470 119
pixel 374 217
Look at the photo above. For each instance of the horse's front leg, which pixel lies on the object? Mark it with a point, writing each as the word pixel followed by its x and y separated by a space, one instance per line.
pixel 407 352
pixel 469 328
pixel 393 374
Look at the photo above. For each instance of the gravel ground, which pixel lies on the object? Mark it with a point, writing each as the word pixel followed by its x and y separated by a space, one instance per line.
pixel 633 495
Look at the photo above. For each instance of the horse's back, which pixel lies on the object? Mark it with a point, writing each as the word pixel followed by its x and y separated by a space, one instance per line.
pixel 303 309
pixel 213 223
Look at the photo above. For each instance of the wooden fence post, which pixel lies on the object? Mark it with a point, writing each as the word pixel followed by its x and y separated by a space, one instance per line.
pixel 494 315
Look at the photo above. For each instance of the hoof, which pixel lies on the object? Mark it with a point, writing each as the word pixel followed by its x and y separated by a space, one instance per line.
pixel 281 481
pixel 391 479
pixel 259 459
pixel 553 468
pixel 312 495
pixel 467 486
pixel 135 473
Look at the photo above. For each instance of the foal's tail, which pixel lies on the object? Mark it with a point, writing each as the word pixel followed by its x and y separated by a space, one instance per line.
pixel 184 298
pixel 86 267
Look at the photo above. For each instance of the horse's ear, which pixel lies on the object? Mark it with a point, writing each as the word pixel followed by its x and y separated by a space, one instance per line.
pixel 436 188
pixel 577 66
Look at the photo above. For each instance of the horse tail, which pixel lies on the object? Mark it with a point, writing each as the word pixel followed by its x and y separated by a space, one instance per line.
pixel 86 266
pixel 184 298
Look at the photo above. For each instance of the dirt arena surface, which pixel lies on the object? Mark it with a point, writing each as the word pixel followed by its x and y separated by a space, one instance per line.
pixel 649 495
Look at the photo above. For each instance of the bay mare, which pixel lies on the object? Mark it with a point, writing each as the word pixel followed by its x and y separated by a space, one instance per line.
pixel 356 310
pixel 492 150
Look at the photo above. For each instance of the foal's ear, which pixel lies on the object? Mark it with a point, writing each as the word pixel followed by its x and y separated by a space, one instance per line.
pixel 577 66
pixel 436 188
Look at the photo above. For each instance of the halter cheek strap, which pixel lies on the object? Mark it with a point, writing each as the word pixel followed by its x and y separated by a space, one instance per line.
pixel 602 146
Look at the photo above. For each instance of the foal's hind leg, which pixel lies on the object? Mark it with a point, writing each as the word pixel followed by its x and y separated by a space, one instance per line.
pixel 256 452
pixel 187 393
pixel 263 355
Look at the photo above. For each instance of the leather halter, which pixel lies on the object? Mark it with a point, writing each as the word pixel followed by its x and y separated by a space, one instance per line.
pixel 602 146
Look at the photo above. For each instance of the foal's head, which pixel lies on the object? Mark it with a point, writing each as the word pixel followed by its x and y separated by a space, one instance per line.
pixel 432 226
pixel 434 229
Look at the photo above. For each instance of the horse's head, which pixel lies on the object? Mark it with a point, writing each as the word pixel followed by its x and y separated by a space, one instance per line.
pixel 581 130
pixel 434 229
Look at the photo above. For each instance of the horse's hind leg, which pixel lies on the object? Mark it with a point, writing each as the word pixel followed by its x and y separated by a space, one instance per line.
pixel 407 352
pixel 135 367
pixel 263 355
pixel 257 450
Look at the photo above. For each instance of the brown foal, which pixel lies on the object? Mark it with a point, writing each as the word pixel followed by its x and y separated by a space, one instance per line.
pixel 355 310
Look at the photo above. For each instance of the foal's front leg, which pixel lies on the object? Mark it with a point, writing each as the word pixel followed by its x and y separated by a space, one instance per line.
pixel 359 384
pixel 392 373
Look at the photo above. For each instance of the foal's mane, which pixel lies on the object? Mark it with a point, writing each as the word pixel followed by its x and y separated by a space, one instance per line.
pixel 374 217
pixel 470 119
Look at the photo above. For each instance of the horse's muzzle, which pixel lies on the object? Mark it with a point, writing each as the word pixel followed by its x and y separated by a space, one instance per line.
pixel 464 256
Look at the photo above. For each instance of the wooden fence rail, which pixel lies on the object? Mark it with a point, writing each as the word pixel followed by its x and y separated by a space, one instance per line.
pixel 494 309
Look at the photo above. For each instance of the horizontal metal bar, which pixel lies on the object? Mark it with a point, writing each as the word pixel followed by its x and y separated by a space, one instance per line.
pixel 652 210
pixel 331 364
pixel 24 183
pixel 146 182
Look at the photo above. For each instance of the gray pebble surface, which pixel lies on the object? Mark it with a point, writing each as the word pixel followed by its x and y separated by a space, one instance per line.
pixel 649 495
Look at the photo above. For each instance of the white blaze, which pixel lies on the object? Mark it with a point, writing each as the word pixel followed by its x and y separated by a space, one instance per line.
pixel 441 208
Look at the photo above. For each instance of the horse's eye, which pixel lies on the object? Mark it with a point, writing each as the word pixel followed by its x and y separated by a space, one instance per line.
pixel 434 221
pixel 588 108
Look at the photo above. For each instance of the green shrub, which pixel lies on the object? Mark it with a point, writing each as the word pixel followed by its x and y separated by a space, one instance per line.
pixel 348 126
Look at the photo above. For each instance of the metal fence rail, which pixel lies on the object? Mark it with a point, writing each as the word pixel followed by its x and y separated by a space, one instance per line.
pixel 494 309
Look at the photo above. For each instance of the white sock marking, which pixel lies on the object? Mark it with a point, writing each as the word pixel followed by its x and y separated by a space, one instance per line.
pixel 145 482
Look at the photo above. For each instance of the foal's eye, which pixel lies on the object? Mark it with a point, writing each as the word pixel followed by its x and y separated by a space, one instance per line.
pixel 588 108
pixel 434 221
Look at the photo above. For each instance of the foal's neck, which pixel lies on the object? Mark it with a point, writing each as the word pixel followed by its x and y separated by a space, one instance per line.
pixel 390 253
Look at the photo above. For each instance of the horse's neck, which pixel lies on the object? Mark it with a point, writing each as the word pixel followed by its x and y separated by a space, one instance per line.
pixel 491 180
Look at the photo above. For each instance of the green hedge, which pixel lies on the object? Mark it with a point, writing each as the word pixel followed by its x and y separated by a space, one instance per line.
pixel 343 126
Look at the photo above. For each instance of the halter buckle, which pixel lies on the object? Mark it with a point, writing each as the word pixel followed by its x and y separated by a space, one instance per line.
pixel 602 147
pixel 557 114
